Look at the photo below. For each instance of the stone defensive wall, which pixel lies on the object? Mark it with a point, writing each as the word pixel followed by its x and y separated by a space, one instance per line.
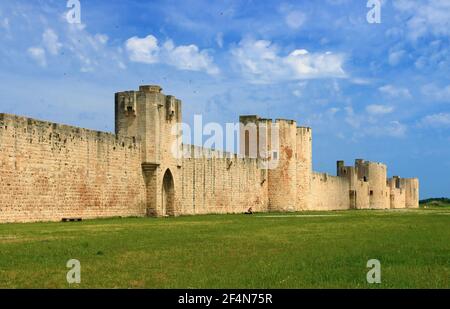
pixel 218 182
pixel 329 190
pixel 50 171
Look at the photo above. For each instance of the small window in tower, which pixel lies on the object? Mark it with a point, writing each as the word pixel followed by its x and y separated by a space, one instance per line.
pixel 275 155
pixel 129 108
pixel 397 183
pixel 365 179
pixel 371 192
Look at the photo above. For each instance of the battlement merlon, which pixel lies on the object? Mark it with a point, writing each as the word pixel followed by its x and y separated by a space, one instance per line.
pixel 150 88
pixel 286 121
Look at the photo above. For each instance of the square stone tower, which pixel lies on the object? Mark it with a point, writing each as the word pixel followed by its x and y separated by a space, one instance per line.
pixel 153 119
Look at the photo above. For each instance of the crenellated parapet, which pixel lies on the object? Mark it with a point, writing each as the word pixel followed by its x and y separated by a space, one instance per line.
pixel 51 171
pixel 370 187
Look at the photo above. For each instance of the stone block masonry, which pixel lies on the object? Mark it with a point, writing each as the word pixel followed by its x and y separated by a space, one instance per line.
pixel 50 171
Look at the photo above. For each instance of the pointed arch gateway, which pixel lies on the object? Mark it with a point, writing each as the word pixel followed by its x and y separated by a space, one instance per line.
pixel 168 194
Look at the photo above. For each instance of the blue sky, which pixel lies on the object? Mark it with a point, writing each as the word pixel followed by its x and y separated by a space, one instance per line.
pixel 374 91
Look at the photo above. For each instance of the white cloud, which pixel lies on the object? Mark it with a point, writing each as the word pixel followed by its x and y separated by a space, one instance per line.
pixel 375 109
pixel 4 23
pixel 189 57
pixel 436 93
pixel 331 112
pixel 86 48
pixel 351 118
pixel 425 17
pixel 392 129
pixel 295 19
pixel 395 57
pixel 360 81
pixel 183 57
pixel 97 42
pixel 395 92
pixel 51 42
pixel 219 39
pixel 101 38
pixel 259 61
pixel 91 50
pixel 394 33
pixel 143 50
pixel 306 65
pixel 300 87
pixel 441 120
pixel 364 125
pixel 38 54
pixel 297 93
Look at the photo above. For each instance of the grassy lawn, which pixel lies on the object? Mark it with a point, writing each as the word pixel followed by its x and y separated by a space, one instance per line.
pixel 301 250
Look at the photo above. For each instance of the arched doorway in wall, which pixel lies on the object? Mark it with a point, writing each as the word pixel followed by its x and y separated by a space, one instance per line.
pixel 168 194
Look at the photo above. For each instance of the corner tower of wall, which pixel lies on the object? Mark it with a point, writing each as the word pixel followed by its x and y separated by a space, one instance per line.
pixel 411 188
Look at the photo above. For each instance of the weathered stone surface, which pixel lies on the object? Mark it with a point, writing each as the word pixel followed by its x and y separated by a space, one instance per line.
pixel 50 171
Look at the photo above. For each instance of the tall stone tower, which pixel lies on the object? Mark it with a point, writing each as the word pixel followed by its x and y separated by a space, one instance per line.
pixel 152 118
pixel 304 167
pixel 283 178
pixel 376 174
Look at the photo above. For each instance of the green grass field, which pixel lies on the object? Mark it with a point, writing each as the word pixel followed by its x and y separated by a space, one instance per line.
pixel 300 250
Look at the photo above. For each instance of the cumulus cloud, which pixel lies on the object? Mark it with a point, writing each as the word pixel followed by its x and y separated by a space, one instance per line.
pixel 395 92
pixel 295 19
pixel 392 128
pixel 436 93
pixel 441 120
pixel 375 109
pixel 395 57
pixel 368 125
pixel 143 50
pixel 183 57
pixel 38 55
pixel 91 50
pixel 51 42
pixel 331 112
pixel 88 49
pixel 189 57
pixel 219 39
pixel 425 17
pixel 360 81
pixel 352 118
pixel 261 62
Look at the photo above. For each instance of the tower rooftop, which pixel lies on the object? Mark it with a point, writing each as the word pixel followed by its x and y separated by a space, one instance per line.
pixel 150 88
